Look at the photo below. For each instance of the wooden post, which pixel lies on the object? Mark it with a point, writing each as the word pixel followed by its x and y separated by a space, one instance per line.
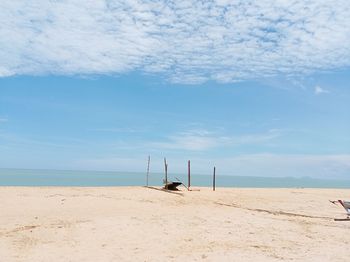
pixel 149 160
pixel 214 179
pixel 189 174
pixel 166 173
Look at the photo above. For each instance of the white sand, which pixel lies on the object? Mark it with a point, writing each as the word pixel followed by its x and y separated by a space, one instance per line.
pixel 140 224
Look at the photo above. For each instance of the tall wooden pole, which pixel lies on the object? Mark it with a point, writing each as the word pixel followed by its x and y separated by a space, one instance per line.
pixel 166 173
pixel 149 160
pixel 214 179
pixel 189 174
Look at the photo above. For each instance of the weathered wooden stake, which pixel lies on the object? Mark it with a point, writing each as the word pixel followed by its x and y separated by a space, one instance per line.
pixel 149 160
pixel 214 179
pixel 189 174
pixel 166 173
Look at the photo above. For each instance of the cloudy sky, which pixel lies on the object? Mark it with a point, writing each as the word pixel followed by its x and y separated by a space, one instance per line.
pixel 254 87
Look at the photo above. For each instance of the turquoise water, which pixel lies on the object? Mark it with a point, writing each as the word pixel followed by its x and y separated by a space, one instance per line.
pixel 29 177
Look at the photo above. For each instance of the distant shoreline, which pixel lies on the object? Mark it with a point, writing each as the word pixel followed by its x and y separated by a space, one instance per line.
pixel 35 177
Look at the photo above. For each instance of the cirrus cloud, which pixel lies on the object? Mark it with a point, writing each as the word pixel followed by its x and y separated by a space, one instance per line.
pixel 202 140
pixel 186 41
pixel 319 90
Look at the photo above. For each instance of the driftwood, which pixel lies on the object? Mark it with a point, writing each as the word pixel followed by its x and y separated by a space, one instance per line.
pixel 172 185
pixel 341 219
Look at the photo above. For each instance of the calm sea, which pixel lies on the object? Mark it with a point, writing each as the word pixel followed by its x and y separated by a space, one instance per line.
pixel 30 177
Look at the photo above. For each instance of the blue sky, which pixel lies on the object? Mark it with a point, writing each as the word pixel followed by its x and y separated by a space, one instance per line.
pixel 254 87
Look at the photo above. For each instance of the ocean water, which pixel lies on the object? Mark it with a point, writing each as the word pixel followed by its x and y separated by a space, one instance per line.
pixel 30 177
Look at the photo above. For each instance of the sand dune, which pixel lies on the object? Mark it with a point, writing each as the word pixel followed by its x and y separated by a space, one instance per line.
pixel 148 224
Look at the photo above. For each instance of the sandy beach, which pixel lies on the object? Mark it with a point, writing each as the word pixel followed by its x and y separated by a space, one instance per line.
pixel 148 224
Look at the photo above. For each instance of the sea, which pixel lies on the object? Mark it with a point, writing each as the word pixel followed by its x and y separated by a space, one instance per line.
pixel 40 177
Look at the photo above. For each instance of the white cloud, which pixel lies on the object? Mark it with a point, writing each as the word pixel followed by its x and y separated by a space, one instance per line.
pixel 319 90
pixel 188 41
pixel 3 119
pixel 320 166
pixel 201 140
pixel 117 130
pixel 190 141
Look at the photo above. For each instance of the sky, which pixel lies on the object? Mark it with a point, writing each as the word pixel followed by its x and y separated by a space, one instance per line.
pixel 255 88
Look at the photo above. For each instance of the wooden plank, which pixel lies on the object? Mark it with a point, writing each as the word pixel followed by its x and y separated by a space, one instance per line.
pixel 341 219
pixel 166 172
pixel 189 174
pixel 214 178
pixel 149 160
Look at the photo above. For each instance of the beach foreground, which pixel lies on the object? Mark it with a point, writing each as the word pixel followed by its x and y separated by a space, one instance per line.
pixel 148 224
